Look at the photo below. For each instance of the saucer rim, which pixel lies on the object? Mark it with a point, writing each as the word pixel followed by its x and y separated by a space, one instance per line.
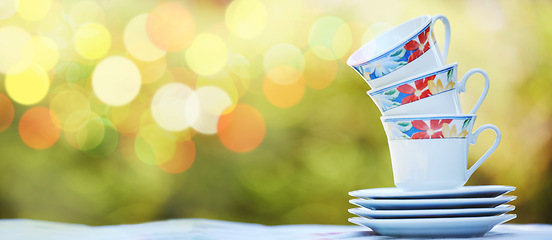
pixel 433 227
pixel 424 213
pixel 436 203
pixel 396 193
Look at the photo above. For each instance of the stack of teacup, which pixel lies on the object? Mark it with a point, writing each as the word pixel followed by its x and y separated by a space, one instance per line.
pixel 428 136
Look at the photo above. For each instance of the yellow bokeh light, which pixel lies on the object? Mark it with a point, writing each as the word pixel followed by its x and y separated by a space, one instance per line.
pixel 342 41
pixel 172 106
pixel 152 71
pixel 98 106
pixel 240 66
pixel 28 87
pixel 34 10
pixel 284 63
pixel 59 104
pixel 92 41
pixel 239 70
pixel 87 131
pixel 249 71
pixel 213 101
pixel 207 55
pixel 330 38
pixel 45 52
pixel 116 81
pixel 73 123
pixel 76 72
pixel 16 50
pixel 8 8
pixel 137 41
pixel 90 134
pixel 109 142
pixel 246 18
pixel 223 81
pixel 84 12
pixel 76 119
pixel 154 145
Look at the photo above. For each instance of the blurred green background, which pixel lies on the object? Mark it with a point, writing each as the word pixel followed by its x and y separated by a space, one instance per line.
pixel 120 111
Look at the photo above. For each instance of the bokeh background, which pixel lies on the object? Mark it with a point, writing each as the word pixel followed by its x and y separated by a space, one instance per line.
pixel 121 111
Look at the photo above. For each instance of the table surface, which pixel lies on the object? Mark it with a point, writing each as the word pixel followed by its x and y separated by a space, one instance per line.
pixel 205 229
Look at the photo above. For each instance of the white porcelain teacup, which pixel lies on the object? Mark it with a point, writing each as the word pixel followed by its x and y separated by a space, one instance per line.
pixel 432 92
pixel 403 51
pixel 430 152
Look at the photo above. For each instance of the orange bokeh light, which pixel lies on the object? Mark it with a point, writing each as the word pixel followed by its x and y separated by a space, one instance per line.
pixel 126 118
pixel 170 26
pixel 38 128
pixel 184 75
pixel 284 96
pixel 6 112
pixel 182 159
pixel 126 146
pixel 243 129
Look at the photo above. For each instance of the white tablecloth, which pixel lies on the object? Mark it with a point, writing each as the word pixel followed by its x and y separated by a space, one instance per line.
pixel 204 229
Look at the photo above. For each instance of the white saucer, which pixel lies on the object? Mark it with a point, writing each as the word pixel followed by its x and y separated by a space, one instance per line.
pixel 433 227
pixel 463 192
pixel 432 213
pixel 444 203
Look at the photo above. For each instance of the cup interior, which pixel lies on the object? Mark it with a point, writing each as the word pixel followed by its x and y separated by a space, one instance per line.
pixel 388 40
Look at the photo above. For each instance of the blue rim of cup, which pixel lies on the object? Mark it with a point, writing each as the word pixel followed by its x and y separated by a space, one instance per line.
pixel 426 117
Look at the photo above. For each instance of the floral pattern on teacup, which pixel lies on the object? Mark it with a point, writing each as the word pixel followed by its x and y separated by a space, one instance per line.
pixel 428 128
pixel 415 89
pixel 397 57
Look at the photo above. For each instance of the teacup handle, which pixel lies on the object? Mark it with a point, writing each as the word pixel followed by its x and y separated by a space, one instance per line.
pixel 472 138
pixel 447 32
pixel 462 86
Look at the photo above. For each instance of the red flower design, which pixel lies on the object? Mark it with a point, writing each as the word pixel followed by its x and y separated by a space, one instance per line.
pixel 431 131
pixel 419 47
pixel 416 93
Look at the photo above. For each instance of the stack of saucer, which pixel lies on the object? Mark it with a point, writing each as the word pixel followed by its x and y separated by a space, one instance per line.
pixel 464 212
pixel 429 136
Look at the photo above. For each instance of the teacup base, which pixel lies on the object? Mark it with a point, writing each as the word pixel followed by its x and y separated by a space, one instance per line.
pixel 429 164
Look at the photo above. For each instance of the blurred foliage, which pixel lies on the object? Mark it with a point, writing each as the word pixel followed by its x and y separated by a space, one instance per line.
pixel 306 132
